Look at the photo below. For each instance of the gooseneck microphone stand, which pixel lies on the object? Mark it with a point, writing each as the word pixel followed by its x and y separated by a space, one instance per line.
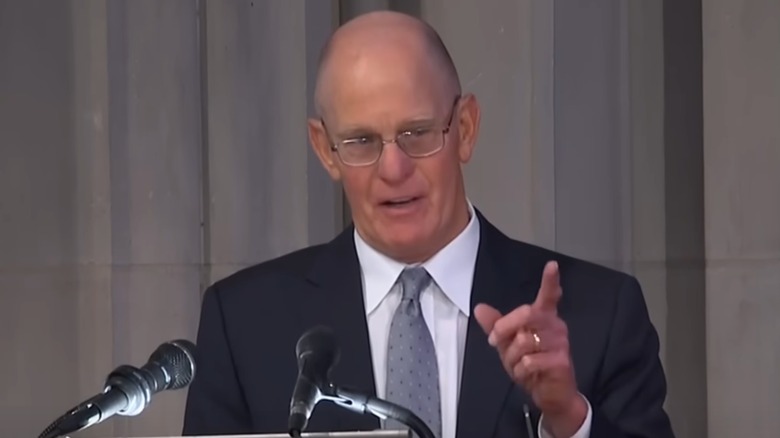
pixel 361 403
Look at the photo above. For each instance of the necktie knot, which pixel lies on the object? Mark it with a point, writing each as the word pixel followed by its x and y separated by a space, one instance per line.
pixel 413 281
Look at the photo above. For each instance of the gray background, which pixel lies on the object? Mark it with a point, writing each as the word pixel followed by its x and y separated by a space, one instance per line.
pixel 152 147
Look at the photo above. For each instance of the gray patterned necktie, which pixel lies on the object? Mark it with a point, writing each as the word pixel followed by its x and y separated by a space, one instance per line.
pixel 412 370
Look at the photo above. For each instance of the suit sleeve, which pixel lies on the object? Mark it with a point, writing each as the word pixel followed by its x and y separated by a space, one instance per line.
pixel 632 385
pixel 215 402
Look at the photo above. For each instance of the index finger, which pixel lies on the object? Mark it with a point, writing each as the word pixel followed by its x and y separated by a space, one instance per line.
pixel 550 290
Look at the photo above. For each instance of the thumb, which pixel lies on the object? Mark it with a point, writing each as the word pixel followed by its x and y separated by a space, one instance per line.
pixel 486 316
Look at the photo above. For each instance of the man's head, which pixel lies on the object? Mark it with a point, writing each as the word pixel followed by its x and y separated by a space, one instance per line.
pixel 395 130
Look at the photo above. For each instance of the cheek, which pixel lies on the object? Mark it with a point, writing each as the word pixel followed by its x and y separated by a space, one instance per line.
pixel 441 177
pixel 357 183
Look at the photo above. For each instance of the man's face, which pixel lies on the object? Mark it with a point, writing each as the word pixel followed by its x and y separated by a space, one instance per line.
pixel 404 206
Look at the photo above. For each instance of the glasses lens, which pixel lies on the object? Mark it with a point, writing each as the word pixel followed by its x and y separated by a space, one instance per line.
pixel 362 151
pixel 421 142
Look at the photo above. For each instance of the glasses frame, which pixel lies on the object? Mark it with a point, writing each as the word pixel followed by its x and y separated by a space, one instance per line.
pixel 334 147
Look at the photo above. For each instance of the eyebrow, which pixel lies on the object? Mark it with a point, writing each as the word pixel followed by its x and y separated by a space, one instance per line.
pixel 418 122
pixel 354 132
pixel 412 123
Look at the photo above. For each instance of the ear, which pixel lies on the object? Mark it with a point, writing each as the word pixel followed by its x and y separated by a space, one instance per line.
pixel 321 144
pixel 468 126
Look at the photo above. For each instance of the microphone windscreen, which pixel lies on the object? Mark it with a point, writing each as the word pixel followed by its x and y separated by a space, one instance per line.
pixel 319 347
pixel 177 359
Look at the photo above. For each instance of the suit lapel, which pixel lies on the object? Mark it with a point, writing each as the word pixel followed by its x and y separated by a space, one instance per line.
pixel 501 279
pixel 337 275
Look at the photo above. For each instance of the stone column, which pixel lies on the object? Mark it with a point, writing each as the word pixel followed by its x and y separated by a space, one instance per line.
pixel 38 213
pixel 266 193
pixel 742 214
pixel 155 147
pixel 684 218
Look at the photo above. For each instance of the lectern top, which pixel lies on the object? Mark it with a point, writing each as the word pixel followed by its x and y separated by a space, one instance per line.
pixel 365 434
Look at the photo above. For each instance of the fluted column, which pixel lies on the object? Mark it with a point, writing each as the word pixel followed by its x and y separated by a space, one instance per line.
pixel 742 214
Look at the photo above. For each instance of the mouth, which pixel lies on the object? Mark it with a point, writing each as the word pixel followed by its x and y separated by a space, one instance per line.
pixel 400 202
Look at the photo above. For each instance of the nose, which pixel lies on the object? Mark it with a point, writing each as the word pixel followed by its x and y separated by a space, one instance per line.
pixel 394 165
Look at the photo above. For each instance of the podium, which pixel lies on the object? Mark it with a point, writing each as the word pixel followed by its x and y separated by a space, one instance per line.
pixel 364 434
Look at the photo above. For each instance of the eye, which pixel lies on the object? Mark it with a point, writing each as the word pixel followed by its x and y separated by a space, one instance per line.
pixel 418 132
pixel 359 141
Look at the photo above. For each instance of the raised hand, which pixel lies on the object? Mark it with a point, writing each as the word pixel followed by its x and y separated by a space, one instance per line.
pixel 533 344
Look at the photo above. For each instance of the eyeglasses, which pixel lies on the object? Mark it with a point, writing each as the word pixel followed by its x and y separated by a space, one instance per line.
pixel 365 150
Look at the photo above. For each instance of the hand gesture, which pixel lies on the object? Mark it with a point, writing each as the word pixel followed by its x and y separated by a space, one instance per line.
pixel 533 343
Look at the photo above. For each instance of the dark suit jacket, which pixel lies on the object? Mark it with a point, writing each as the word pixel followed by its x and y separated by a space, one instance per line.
pixel 251 321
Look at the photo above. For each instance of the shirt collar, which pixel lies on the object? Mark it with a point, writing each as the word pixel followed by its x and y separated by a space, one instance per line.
pixel 452 268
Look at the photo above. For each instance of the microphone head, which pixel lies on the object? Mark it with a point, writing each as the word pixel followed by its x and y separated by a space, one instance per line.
pixel 176 358
pixel 318 350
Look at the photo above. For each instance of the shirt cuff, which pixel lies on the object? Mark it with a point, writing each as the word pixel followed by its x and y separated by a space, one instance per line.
pixel 583 432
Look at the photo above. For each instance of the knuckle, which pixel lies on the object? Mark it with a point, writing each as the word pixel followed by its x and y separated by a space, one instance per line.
pixel 500 327
pixel 510 356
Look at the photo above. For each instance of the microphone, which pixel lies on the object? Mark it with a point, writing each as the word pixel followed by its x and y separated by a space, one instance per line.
pixel 317 353
pixel 128 390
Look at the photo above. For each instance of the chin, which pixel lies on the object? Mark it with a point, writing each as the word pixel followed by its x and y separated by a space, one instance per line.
pixel 406 240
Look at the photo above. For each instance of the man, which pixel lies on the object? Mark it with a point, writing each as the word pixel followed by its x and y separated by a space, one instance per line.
pixel 434 308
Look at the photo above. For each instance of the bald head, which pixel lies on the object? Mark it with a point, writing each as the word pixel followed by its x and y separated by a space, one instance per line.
pixel 383 34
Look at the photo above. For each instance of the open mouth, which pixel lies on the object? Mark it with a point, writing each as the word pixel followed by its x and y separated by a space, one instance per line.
pixel 400 202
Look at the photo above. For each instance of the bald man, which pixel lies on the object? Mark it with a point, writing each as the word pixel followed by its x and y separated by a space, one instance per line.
pixel 434 308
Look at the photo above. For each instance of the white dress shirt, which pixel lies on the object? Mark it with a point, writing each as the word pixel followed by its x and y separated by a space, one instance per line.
pixel 446 302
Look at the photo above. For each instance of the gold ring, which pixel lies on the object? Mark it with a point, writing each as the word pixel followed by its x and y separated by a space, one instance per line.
pixel 537 342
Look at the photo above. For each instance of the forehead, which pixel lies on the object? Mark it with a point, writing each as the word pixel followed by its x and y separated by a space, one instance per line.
pixel 381 89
